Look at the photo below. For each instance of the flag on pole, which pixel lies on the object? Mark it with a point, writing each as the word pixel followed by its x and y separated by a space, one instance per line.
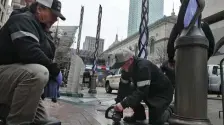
pixel 94 68
pixel 143 30
pixel 190 12
pixel 80 29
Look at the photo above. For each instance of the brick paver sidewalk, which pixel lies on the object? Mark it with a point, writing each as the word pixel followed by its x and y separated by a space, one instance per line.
pixel 70 114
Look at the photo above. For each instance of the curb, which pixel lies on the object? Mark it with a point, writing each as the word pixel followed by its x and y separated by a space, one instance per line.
pixel 72 94
pixel 214 98
pixel 79 102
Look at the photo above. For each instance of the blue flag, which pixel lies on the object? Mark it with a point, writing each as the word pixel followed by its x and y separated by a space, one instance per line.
pixel 190 12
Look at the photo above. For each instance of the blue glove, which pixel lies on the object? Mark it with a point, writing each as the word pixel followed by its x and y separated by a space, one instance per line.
pixel 59 78
pixel 51 90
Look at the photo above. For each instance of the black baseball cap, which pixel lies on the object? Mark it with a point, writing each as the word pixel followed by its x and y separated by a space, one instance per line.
pixel 54 5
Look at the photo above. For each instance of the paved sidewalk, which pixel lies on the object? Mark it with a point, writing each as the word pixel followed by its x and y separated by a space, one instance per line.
pixel 101 101
pixel 214 97
pixel 101 97
pixel 70 114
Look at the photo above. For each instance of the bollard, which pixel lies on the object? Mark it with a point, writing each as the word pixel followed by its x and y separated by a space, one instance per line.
pixel 222 88
pixel 92 89
pixel 191 79
pixel 191 67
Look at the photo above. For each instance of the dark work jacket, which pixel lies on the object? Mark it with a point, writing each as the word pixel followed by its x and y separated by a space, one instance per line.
pixel 170 73
pixel 23 40
pixel 50 49
pixel 18 11
pixel 149 81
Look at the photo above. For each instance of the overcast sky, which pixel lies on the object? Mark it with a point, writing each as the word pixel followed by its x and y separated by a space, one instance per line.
pixel 114 18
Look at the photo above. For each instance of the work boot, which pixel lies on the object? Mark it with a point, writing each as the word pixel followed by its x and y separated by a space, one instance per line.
pixel 49 121
pixel 134 118
pixel 54 100
pixel 1 122
pixel 139 114
pixel 167 113
pixel 4 111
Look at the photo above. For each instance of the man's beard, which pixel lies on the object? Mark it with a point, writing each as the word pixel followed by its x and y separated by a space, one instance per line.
pixel 46 27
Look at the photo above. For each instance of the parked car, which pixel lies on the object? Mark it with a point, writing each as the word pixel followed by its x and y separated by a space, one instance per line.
pixel 214 83
pixel 112 80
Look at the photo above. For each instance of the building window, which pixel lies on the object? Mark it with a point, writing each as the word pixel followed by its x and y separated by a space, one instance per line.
pixel 0 12
pixel 4 3
pixel 152 46
pixel 2 17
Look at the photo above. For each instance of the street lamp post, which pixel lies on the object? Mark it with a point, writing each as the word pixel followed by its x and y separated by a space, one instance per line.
pixel 191 69
pixel 222 87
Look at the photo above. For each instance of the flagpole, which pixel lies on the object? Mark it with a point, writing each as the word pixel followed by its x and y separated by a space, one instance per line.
pixel 94 68
pixel 80 29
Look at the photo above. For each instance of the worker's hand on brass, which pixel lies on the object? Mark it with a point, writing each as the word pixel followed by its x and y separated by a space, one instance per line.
pixel 118 107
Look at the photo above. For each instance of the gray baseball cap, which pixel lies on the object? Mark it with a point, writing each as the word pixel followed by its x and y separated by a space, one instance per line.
pixel 54 5
pixel 121 57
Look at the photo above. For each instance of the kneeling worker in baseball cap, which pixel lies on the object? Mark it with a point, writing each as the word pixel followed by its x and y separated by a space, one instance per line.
pixel 26 63
pixel 150 86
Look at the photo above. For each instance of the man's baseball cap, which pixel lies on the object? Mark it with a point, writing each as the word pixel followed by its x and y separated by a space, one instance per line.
pixel 54 5
pixel 121 57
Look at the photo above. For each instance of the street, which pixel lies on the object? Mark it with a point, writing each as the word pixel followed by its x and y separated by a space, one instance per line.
pixel 90 110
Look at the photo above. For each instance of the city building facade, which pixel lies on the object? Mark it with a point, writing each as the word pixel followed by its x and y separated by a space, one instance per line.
pixel 89 44
pixel 212 9
pixel 3 11
pixel 159 33
pixel 16 4
pixel 63 37
pixel 8 12
pixel 156 8
pixel 115 42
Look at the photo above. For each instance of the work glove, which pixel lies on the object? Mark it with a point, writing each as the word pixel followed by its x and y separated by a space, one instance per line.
pixel 58 78
pixel 51 90
pixel 53 69
pixel 118 107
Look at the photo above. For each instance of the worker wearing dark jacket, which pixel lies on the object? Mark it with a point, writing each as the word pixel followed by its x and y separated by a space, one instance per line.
pixel 50 53
pixel 51 46
pixel 25 62
pixel 151 86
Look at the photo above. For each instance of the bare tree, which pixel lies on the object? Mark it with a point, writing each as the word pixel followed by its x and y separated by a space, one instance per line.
pixel 161 54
